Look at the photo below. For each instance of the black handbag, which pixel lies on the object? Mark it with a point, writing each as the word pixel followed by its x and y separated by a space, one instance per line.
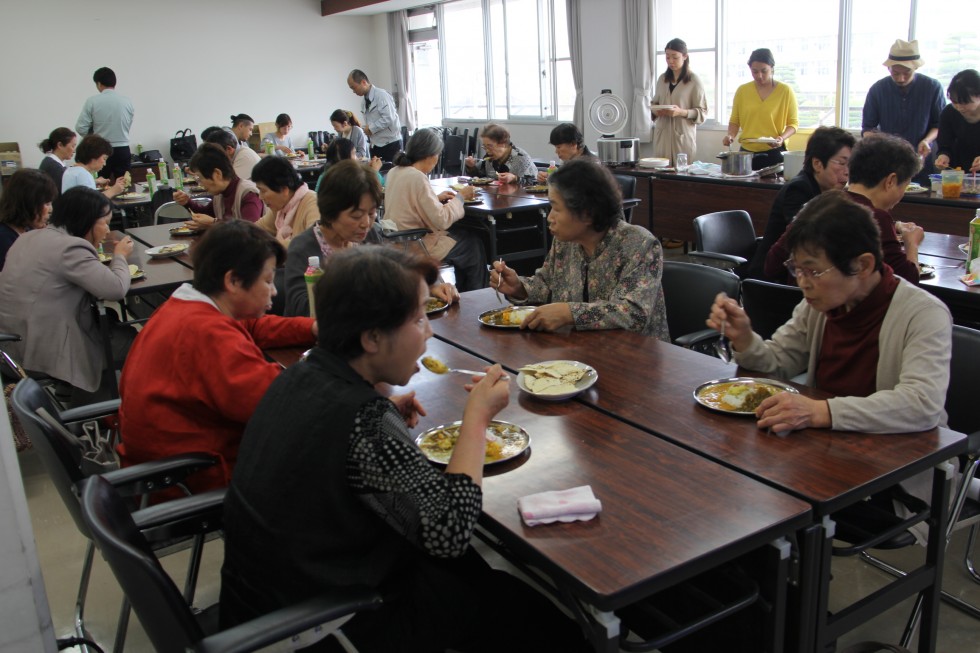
pixel 183 145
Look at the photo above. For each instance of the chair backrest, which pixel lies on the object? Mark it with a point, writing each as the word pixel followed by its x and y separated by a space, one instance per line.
pixel 163 195
pixel 171 212
pixel 727 232
pixel 60 458
pixel 961 397
pixel 452 155
pixel 473 148
pixel 689 292
pixel 627 186
pixel 161 609
pixel 769 305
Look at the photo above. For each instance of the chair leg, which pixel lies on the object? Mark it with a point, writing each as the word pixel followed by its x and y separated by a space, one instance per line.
pixel 83 591
pixel 122 625
pixel 968 556
pixel 193 567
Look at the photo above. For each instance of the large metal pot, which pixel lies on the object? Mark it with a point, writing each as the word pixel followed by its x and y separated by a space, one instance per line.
pixel 736 163
pixel 617 151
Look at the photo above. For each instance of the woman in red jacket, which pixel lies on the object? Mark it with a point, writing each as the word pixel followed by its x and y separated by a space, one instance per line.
pixel 196 371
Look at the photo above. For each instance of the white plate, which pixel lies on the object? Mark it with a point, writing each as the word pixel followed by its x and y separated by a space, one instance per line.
pixel 915 189
pixel 491 318
pixel 926 271
pixel 136 273
pixel 164 251
pixel 514 440
pixel 751 174
pixel 435 305
pixel 769 140
pixel 705 401
pixel 130 197
pixel 653 162
pixel 660 107
pixel 583 384
pixel 963 247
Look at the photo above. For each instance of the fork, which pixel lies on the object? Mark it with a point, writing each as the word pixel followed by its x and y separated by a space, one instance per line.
pixel 496 290
pixel 722 348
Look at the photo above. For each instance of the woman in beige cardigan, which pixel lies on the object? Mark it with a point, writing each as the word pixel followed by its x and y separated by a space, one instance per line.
pixel 291 204
pixel 411 203
pixel 680 93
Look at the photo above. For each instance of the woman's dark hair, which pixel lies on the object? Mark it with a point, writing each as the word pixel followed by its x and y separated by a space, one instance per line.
pixel 824 143
pixel 283 119
pixel 342 115
pixel 24 196
pixel 590 192
pixel 91 148
pixel 838 226
pixel 878 155
pixel 60 136
pixel 496 133
pixel 237 245
pixel 367 288
pixel 762 55
pixel 677 45
pixel 240 118
pixel 220 136
pixel 566 132
pixel 105 76
pixel 422 144
pixel 340 149
pixel 78 209
pixel 276 173
pixel 964 86
pixel 343 186
pixel 210 157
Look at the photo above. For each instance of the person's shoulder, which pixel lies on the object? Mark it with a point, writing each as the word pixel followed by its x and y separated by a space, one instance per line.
pixel 633 234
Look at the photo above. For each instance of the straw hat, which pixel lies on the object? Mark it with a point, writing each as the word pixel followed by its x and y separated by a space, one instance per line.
pixel 904 53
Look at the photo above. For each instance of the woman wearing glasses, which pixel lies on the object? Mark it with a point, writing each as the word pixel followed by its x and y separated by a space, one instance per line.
pixel 878 343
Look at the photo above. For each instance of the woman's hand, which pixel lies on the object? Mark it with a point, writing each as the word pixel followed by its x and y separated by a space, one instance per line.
pixel 925 148
pixel 376 163
pixel 181 197
pixel 738 327
pixel 488 395
pixel 942 162
pixel 116 188
pixel 468 193
pixel 469 162
pixel 779 143
pixel 446 292
pixel 201 221
pixel 505 280
pixel 124 247
pixel 409 408
pixel 446 195
pixel 788 411
pixel 284 149
pixel 549 317
pixel 728 140
pixel 506 177
pixel 542 176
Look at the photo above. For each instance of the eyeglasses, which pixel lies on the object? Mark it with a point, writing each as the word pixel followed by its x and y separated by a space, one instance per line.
pixel 796 272
pixel 839 162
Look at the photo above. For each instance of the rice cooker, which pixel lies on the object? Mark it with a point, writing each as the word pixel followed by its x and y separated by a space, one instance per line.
pixel 608 114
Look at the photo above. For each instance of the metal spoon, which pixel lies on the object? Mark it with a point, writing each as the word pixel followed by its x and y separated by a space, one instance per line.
pixel 436 366
pixel 722 348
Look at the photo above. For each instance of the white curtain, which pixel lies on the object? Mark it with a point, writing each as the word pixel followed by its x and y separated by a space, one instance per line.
pixel 401 68
pixel 639 55
pixel 575 53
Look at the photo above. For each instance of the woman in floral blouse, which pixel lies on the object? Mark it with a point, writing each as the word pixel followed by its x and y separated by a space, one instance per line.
pixel 601 272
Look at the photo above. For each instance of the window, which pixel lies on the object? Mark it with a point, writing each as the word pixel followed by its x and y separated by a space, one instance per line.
pixel 423 38
pixel 694 23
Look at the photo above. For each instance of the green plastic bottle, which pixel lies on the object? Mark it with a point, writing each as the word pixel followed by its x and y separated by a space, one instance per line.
pixel 311 276
pixel 309 149
pixel 552 168
pixel 151 182
pixel 178 177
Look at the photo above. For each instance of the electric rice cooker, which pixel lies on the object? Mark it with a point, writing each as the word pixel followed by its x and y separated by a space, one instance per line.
pixel 608 115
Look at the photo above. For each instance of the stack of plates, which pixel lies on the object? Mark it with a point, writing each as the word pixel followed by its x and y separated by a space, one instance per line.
pixel 653 162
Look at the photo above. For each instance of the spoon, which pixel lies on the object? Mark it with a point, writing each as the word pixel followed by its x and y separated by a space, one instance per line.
pixel 436 366
pixel 722 348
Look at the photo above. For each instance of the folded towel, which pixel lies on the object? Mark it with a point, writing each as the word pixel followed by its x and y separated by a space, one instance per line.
pixel 576 504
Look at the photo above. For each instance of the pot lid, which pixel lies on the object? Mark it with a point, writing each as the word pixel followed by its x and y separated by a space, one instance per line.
pixel 608 113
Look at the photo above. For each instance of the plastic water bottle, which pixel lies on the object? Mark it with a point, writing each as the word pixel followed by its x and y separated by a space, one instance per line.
pixel 309 149
pixel 551 168
pixel 151 182
pixel 270 148
pixel 178 177
pixel 311 276
pixel 139 149
pixel 163 171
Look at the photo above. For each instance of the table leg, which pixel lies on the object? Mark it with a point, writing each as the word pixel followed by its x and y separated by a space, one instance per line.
pixel 774 590
pixel 942 479
pixel 806 594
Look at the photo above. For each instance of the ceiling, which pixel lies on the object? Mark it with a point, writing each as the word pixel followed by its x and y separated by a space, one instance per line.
pixel 369 8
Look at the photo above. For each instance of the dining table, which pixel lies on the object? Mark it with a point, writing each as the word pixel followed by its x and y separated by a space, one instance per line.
pixel 649 384
pixel 946 255
pixel 668 514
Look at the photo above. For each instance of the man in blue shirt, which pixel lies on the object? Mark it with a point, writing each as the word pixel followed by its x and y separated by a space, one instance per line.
pixel 381 122
pixel 109 115
pixel 906 104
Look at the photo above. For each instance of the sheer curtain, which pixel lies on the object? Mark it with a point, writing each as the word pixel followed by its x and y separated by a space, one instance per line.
pixel 401 69
pixel 575 54
pixel 640 59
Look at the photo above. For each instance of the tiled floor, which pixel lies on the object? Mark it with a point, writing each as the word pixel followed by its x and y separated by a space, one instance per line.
pixel 61 549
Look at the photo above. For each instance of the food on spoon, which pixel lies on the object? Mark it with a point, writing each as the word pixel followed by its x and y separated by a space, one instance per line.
pixel 434 365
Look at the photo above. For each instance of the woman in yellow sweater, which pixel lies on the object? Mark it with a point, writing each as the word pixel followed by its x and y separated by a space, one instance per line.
pixel 766 112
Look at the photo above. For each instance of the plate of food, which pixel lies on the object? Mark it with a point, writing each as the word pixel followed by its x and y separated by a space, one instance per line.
pixel 768 140
pixel 132 196
pixel 505 318
pixel 504 441
pixel 475 200
pixel 164 251
pixel 915 189
pixel 183 230
pixel 738 395
pixel 926 271
pixel 536 188
pixel 435 305
pixel 556 380
pixel 104 258
pixel 481 181
pixel 135 272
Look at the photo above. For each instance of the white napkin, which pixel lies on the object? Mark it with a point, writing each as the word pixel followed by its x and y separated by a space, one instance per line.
pixel 576 504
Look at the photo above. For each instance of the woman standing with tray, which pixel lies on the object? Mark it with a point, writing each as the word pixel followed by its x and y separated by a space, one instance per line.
pixel 766 112
pixel 678 106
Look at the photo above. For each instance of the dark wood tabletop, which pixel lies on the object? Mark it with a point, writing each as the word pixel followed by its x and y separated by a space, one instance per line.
pixel 159 274
pixel 943 245
pixel 649 383
pixel 159 235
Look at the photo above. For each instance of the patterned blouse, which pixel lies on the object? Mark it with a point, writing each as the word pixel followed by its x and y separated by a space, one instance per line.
pixel 618 287
pixel 434 510
pixel 518 163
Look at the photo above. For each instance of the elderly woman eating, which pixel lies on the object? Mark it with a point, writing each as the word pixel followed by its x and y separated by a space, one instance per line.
pixel 328 472
pixel 569 143
pixel 233 198
pixel 292 205
pixel 504 161
pixel 876 341
pixel 601 273
pixel 196 372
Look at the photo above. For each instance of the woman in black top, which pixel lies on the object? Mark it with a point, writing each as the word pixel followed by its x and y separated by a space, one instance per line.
pixel 24 205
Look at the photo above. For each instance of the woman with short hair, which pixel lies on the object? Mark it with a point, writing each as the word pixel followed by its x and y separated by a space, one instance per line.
pixel 282 144
pixel 24 205
pixel 601 272
pixel 411 203
pixel 46 291
pixel 196 372
pixel 90 157
pixel 292 205
pixel 569 143
pixel 58 147
pixel 341 149
pixel 232 198
pixel 959 124
pixel 504 161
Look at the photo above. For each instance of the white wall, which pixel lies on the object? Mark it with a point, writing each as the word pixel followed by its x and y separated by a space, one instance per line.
pixel 184 63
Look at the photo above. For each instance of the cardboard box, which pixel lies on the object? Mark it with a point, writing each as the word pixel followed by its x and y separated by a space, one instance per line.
pixel 10 160
pixel 259 130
